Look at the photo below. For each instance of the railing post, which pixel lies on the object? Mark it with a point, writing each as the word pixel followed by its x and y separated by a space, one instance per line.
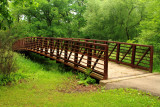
pixel 66 51
pixel 34 44
pixel 76 48
pixel 95 48
pixel 42 43
pixel 32 41
pixel 106 62
pixel 26 43
pixel 133 55
pixel 30 44
pixel 151 59
pixel 37 47
pixel 46 45
pixel 118 52
pixel 51 47
pixel 57 50
pixel 89 59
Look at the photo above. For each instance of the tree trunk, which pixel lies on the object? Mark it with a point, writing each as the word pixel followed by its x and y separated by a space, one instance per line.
pixel 127 33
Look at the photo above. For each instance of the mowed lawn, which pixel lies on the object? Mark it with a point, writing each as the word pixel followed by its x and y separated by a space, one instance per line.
pixel 46 85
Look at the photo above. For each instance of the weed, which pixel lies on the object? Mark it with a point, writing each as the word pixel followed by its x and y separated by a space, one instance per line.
pixel 85 79
pixel 12 78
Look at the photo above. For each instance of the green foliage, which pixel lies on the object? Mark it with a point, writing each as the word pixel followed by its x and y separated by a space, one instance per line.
pixel 150 34
pixel 113 19
pixel 85 79
pixel 12 78
pixel 51 18
pixel 42 83
pixel 5 18
pixel 7 60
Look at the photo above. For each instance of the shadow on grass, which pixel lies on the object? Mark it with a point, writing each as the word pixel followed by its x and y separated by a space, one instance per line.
pixel 46 63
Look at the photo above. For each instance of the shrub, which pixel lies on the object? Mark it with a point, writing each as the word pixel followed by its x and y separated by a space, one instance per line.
pixel 7 60
pixel 85 79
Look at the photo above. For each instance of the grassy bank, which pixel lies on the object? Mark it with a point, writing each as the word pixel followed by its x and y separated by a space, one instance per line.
pixel 45 84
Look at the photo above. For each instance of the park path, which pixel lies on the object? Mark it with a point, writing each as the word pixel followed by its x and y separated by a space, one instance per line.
pixel 149 83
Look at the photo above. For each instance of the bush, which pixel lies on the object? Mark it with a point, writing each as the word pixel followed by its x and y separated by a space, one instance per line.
pixel 7 60
pixel 85 79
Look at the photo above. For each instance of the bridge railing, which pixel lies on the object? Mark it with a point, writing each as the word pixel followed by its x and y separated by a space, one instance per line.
pixel 81 55
pixel 134 55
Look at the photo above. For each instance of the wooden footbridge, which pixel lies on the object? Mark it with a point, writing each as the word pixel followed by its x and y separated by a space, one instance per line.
pixel 83 54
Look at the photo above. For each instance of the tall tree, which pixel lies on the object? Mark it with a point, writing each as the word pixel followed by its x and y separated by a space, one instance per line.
pixel 150 27
pixel 113 19
pixel 59 18
pixel 5 18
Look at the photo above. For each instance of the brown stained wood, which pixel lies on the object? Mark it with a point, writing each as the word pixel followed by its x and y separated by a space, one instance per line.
pixel 106 63
pixel 57 52
pixel 66 51
pixel 151 59
pixel 126 53
pixel 113 50
pixel 62 49
pixel 82 56
pixel 99 56
pixel 51 47
pixel 76 54
pixel 118 52
pixel 133 55
pixel 89 58
pixel 143 56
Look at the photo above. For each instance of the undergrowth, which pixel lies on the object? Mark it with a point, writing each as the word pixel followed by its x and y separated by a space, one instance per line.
pixel 85 79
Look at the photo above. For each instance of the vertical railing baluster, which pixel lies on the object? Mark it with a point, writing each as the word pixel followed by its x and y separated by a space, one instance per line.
pixel 151 59
pixel 105 62
pixel 37 47
pixel 42 41
pixel 66 52
pixel 57 50
pixel 95 48
pixel 133 55
pixel 89 59
pixel 34 43
pixel 118 52
pixel 45 45
pixel 30 43
pixel 76 49
pixel 51 47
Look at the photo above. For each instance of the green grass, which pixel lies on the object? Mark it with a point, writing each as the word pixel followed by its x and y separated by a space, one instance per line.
pixel 41 86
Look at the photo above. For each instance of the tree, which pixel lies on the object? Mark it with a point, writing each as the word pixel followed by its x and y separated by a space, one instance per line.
pixel 113 19
pixel 150 27
pixel 58 18
pixel 5 18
